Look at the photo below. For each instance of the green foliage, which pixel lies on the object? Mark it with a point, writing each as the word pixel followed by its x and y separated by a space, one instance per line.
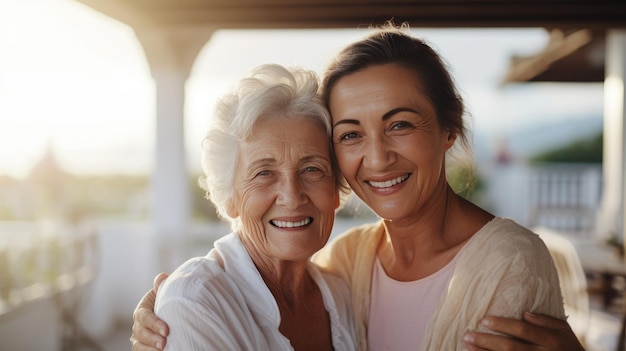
pixel 465 182
pixel 54 254
pixel 6 278
pixel 28 265
pixel 579 151
pixel 202 207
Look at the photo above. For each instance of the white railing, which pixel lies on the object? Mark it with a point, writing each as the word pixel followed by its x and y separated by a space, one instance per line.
pixel 45 270
pixel 564 197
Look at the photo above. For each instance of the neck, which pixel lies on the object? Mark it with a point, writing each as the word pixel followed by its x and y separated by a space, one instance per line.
pixel 289 285
pixel 303 317
pixel 416 247
pixel 427 225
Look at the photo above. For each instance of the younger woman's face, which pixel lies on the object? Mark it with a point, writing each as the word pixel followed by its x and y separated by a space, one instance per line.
pixel 388 142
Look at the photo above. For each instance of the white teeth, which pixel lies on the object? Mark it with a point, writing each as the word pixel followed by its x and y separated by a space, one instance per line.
pixel 388 183
pixel 285 224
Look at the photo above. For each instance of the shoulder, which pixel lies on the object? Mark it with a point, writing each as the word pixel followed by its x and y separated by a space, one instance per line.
pixel 208 306
pixel 508 235
pixel 503 242
pixel 191 279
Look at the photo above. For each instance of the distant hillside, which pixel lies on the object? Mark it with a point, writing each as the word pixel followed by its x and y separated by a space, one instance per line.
pixel 586 150
pixel 539 138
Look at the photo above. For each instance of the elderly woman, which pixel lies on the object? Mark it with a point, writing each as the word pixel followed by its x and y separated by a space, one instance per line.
pixel 269 171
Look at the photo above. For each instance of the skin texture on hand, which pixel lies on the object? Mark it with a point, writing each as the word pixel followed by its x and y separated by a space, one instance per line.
pixel 533 333
pixel 149 332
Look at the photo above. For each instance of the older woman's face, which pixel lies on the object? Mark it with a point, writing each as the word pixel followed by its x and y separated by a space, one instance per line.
pixel 388 142
pixel 285 193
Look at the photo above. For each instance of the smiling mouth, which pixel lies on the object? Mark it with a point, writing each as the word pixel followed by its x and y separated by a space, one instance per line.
pixel 288 224
pixel 389 183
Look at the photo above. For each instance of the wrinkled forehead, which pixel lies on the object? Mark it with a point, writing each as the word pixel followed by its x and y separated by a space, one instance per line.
pixel 296 129
pixel 281 121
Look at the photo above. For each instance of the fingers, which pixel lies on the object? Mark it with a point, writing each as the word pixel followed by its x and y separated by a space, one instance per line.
pixel 536 333
pixel 545 321
pixel 518 329
pixel 469 347
pixel 146 303
pixel 144 313
pixel 159 279
pixel 475 341
pixel 148 300
pixel 149 321
pixel 149 332
pixel 144 339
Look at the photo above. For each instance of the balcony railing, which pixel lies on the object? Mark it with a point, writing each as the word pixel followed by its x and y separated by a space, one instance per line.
pixel 564 197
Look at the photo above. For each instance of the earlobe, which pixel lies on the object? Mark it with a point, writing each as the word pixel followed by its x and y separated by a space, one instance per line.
pixel 231 209
pixel 450 139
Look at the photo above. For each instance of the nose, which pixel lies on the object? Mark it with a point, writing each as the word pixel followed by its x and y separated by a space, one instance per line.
pixel 378 154
pixel 291 193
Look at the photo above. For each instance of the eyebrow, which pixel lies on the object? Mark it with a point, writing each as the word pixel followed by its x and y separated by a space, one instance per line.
pixel 386 116
pixel 268 161
pixel 261 162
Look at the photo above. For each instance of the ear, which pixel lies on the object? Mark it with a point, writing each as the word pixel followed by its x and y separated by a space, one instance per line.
pixel 337 199
pixel 231 209
pixel 450 138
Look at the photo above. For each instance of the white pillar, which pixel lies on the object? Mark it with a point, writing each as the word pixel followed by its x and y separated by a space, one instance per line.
pixel 170 200
pixel 171 52
pixel 611 218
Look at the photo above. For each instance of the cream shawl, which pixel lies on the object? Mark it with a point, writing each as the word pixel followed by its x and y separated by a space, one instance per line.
pixel 504 270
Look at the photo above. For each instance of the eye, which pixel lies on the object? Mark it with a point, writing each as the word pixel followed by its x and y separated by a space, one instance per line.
pixel 312 169
pixel 262 174
pixel 347 136
pixel 399 125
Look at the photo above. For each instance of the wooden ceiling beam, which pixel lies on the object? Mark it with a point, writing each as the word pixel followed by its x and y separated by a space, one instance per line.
pixel 354 14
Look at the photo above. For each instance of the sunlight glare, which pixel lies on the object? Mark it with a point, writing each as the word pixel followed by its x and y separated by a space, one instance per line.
pixel 86 92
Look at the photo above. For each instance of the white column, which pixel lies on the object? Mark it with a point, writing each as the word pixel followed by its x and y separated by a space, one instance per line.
pixel 170 200
pixel 171 52
pixel 611 218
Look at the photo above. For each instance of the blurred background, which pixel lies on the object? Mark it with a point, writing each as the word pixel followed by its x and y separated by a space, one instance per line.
pixel 103 106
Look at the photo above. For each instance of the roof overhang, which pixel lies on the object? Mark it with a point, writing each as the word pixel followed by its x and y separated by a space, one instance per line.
pixel 572 56
pixel 359 13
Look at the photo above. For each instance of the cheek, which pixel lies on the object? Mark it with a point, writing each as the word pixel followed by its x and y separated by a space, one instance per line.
pixel 322 192
pixel 345 159
pixel 251 215
pixel 252 200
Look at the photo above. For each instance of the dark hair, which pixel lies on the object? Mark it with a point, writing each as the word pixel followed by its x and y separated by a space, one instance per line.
pixel 394 45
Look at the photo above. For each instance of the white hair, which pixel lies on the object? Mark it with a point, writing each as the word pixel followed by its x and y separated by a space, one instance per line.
pixel 269 91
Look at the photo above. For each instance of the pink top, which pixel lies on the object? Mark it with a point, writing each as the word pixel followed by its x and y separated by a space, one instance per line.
pixel 396 304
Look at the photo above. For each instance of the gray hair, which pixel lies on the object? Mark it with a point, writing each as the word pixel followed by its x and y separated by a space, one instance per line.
pixel 267 91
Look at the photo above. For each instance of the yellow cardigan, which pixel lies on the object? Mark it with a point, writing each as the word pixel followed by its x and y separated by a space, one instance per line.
pixel 504 270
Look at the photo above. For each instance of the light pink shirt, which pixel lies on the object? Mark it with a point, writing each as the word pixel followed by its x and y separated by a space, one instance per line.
pixel 396 305
pixel 503 270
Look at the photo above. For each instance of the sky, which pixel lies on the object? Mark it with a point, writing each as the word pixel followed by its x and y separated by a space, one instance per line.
pixel 77 82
